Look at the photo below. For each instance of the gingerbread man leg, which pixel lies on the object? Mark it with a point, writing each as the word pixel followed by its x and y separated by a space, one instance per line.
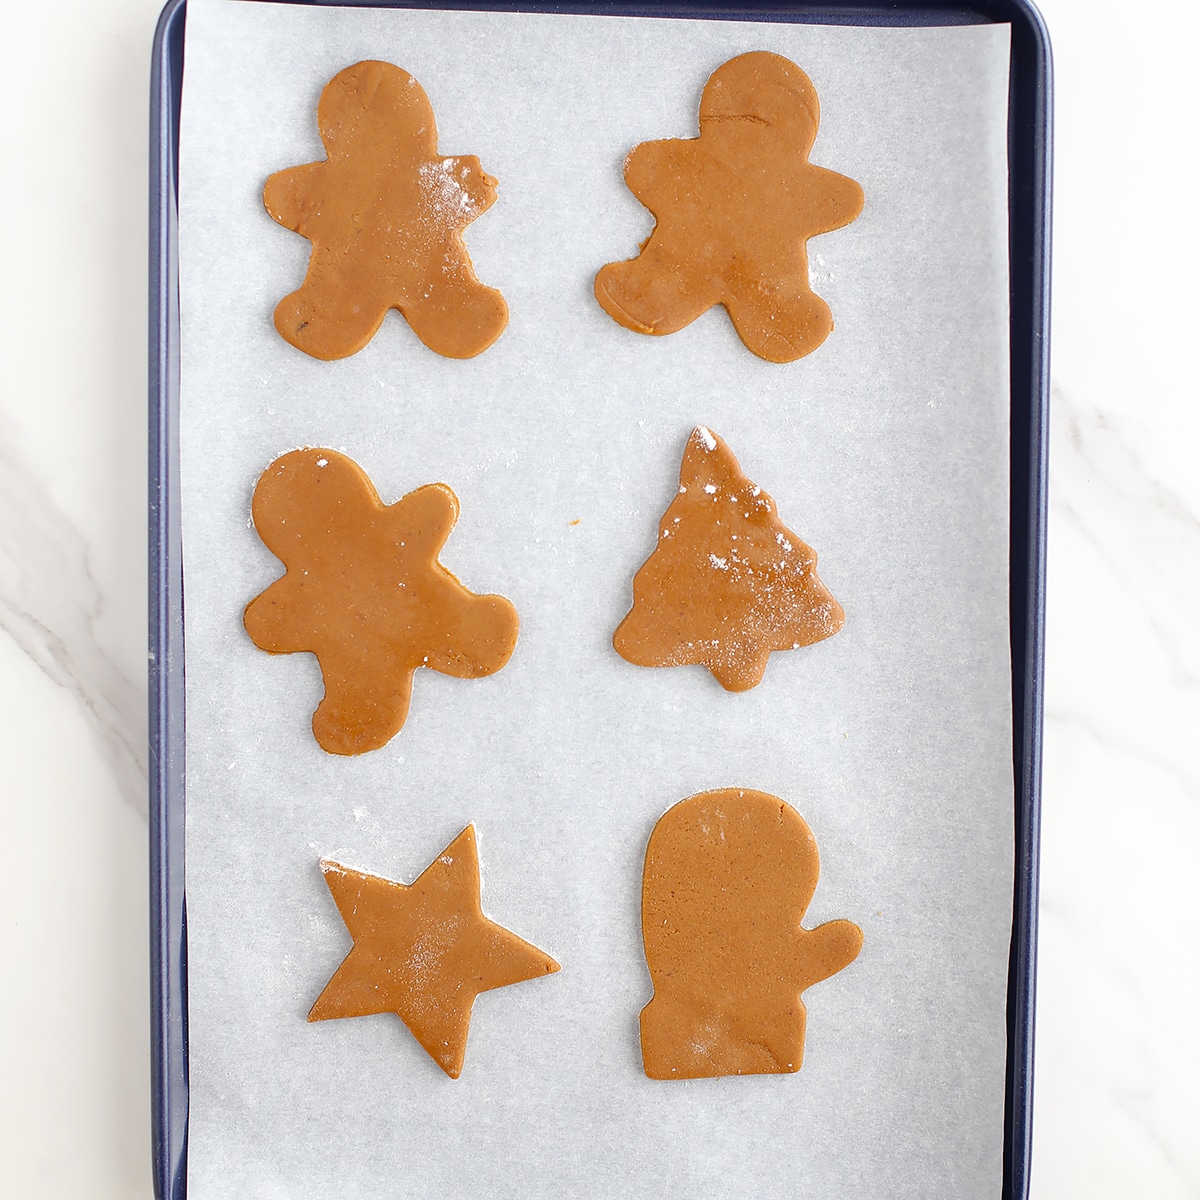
pixel 653 293
pixel 330 316
pixel 779 318
pixel 356 715
pixel 457 316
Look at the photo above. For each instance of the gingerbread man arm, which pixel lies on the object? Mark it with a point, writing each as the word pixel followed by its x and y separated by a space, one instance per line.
pixel 477 189
pixel 427 516
pixel 287 195
pixel 477 637
pixel 834 203
pixel 649 164
pixel 277 620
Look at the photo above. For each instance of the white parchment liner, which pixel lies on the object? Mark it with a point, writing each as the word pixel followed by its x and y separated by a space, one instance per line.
pixel 887 450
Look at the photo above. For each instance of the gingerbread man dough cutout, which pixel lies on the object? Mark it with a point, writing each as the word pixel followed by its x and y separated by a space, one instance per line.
pixel 735 208
pixel 385 214
pixel 365 593
pixel 728 877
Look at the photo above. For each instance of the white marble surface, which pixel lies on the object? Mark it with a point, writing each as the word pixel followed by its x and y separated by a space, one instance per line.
pixel 1117 1105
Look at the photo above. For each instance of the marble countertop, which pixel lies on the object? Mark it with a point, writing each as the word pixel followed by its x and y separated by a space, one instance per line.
pixel 1118 1043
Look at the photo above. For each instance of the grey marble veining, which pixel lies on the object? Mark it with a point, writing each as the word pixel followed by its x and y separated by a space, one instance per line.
pixel 1146 543
pixel 1116 1108
pixel 50 604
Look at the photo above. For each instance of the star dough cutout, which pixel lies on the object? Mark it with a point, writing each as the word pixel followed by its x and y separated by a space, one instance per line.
pixel 365 593
pixel 423 951
pixel 735 208
pixel 728 582
pixel 385 214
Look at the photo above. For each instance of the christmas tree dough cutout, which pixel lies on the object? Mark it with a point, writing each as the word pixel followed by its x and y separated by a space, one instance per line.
pixel 734 210
pixel 364 591
pixel 728 582
pixel 385 214
pixel 728 877
pixel 423 951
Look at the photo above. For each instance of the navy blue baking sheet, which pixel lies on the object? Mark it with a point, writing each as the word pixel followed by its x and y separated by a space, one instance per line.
pixel 1029 265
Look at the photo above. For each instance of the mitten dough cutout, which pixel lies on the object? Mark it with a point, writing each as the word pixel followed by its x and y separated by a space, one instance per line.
pixel 735 208
pixel 423 951
pixel 385 214
pixel 365 593
pixel 728 877
pixel 728 582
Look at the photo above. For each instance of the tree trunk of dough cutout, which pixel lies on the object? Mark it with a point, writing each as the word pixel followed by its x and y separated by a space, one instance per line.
pixel 728 582
pixel 385 214
pixel 735 208
pixel 423 951
pixel 728 877
pixel 365 593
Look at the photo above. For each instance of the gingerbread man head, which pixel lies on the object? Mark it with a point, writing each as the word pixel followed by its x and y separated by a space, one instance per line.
pixel 373 102
pixel 762 89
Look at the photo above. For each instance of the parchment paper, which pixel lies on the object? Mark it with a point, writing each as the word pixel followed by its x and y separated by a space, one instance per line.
pixel 886 450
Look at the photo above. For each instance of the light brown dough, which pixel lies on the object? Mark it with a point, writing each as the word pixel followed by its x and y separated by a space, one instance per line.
pixel 385 214
pixel 728 582
pixel 365 593
pixel 423 951
pixel 728 877
pixel 735 208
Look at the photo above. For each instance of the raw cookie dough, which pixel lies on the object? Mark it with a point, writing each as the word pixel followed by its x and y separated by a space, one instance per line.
pixel 365 593
pixel 423 951
pixel 728 877
pixel 385 214
pixel 728 582
pixel 735 208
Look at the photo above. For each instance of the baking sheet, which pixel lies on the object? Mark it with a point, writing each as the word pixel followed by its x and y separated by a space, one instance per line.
pixel 887 450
